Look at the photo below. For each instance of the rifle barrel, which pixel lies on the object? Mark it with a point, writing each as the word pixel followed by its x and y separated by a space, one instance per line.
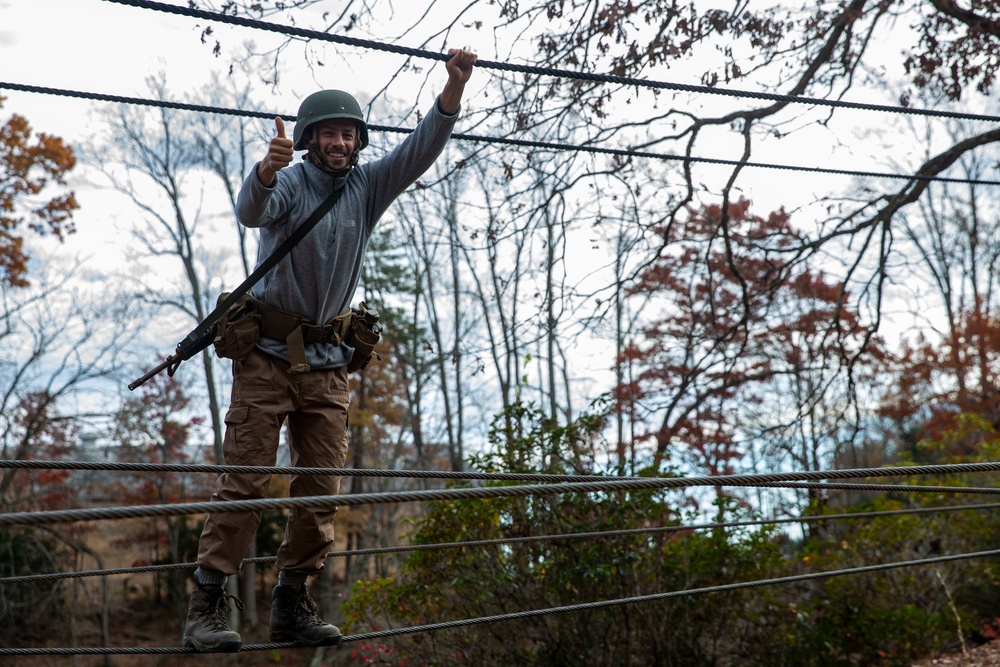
pixel 186 349
pixel 145 378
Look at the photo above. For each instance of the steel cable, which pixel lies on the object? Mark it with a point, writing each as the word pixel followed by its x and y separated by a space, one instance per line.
pixel 284 470
pixel 665 596
pixel 523 143
pixel 652 530
pixel 706 480
pixel 631 484
pixel 535 613
pixel 541 71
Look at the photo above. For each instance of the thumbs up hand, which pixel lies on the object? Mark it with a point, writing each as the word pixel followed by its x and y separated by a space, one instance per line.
pixel 279 155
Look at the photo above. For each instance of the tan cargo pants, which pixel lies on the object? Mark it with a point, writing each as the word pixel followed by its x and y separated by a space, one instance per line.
pixel 315 404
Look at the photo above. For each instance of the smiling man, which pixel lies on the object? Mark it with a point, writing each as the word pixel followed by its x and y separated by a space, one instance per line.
pixel 297 371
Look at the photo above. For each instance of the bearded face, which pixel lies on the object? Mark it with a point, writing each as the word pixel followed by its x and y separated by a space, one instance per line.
pixel 334 145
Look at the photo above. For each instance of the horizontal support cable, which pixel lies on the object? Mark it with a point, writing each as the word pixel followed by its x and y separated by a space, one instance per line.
pixel 144 650
pixel 666 596
pixel 605 604
pixel 523 143
pixel 652 530
pixel 672 482
pixel 285 470
pixel 292 31
pixel 624 152
pixel 329 502
pixel 142 101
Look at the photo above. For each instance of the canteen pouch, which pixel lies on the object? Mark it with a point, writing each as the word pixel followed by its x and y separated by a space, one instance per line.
pixel 363 335
pixel 238 330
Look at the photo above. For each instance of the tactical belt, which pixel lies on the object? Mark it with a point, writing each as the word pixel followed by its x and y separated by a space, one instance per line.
pixel 296 331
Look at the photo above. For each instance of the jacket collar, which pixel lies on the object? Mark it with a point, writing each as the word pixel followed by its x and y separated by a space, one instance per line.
pixel 322 181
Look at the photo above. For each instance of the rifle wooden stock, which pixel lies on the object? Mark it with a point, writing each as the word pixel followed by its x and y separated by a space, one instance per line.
pixel 186 349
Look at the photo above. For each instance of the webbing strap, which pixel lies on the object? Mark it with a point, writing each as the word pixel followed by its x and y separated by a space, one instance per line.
pixel 297 352
pixel 296 331
pixel 258 273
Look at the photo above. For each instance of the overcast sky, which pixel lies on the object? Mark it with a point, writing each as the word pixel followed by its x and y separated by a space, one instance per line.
pixel 104 47
pixel 90 45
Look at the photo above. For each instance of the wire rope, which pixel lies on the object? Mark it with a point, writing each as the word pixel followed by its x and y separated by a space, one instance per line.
pixel 285 470
pixel 535 613
pixel 672 482
pixel 650 530
pixel 542 71
pixel 523 143
pixel 810 576
pixel 37 518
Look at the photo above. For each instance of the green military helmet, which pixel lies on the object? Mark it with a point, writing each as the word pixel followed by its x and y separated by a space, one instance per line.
pixel 324 105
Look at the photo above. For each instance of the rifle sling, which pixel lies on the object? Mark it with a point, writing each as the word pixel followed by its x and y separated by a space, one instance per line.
pixel 286 246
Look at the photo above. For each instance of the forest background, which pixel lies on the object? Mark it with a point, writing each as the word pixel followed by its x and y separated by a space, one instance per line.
pixel 644 286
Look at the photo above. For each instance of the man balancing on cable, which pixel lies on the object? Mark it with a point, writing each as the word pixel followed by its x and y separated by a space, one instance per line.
pixel 298 369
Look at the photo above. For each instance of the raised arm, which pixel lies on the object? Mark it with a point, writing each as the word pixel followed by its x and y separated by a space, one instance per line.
pixel 459 70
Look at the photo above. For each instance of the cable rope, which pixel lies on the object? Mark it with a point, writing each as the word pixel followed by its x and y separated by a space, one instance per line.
pixel 541 71
pixel 672 594
pixel 284 470
pixel 623 152
pixel 37 518
pixel 650 530
pixel 141 650
pixel 672 482
pixel 535 613
pixel 523 143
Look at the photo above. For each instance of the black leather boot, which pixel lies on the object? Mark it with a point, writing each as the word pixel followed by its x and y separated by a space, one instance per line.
pixel 207 630
pixel 294 618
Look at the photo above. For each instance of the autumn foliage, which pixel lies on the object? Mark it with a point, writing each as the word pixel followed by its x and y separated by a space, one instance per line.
pixel 35 432
pixel 29 165
pixel 722 322
pixel 936 382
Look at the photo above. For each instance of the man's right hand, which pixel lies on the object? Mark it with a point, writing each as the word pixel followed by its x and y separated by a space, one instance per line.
pixel 279 155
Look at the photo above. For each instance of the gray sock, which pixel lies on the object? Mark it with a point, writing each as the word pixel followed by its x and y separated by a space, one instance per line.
pixel 206 577
pixel 295 579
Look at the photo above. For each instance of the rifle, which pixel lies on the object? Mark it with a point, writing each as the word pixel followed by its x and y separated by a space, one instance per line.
pixel 183 353
pixel 203 334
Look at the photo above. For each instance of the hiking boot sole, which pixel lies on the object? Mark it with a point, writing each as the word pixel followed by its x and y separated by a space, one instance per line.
pixel 228 646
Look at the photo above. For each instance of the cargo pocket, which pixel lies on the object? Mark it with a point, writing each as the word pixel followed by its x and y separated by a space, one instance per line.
pixel 241 444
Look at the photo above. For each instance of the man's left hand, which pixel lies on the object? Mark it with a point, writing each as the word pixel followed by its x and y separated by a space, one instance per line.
pixel 460 65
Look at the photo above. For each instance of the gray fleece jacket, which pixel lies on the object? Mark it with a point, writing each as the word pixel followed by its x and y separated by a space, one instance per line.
pixel 317 279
